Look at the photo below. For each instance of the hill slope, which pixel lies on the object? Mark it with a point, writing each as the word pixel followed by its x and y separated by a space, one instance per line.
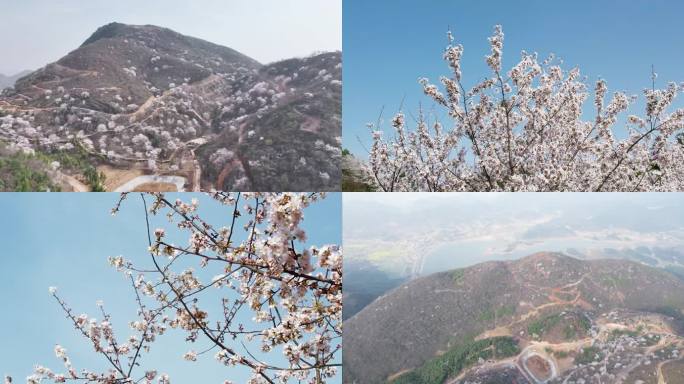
pixel 150 99
pixel 411 327
pixel 8 81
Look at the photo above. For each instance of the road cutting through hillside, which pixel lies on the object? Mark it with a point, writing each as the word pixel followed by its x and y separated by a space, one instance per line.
pixel 531 352
pixel 177 181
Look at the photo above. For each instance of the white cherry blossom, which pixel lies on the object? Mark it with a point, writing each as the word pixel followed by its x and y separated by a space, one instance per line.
pixel 526 130
pixel 261 267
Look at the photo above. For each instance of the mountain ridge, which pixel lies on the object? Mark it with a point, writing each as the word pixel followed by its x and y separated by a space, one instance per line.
pixel 144 100
pixel 429 315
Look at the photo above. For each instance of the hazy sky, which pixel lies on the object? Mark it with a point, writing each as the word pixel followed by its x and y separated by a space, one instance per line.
pixel 458 229
pixel 64 240
pixel 389 44
pixel 36 32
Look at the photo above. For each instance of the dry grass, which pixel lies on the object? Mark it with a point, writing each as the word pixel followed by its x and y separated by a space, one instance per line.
pixel 116 177
pixel 156 187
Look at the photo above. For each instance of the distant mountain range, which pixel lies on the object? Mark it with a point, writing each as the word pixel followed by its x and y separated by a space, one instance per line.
pixel 543 318
pixel 145 100
pixel 363 283
pixel 8 81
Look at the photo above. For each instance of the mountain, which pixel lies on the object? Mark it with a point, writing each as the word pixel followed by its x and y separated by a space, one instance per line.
pixel 8 81
pixel 364 282
pixel 542 318
pixel 145 103
pixel 361 290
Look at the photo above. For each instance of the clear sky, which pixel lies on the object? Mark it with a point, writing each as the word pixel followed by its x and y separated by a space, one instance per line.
pixel 389 44
pixel 64 240
pixel 36 32
pixel 453 230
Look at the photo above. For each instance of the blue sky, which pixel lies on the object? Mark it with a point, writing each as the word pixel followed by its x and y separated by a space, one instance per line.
pixel 389 44
pixel 36 32
pixel 64 240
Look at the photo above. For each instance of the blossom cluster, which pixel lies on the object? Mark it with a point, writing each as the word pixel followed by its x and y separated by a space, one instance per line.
pixel 293 293
pixel 526 130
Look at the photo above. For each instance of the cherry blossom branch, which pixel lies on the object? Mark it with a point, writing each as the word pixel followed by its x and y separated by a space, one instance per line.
pixel 525 131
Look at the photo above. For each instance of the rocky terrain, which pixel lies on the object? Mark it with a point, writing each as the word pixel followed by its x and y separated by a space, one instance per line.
pixel 546 318
pixel 147 105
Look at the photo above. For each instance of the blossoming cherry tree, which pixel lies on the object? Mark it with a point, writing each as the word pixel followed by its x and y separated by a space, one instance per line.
pixel 525 130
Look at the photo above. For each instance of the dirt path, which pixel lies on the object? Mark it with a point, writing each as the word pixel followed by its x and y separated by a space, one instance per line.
pixel 176 181
pixel 75 184
pixel 505 363
pixel 659 370
pixel 554 300
pixel 225 172
pixel 115 177
pixel 197 177
pixel 540 353
pixel 396 375
pixel 545 350
pixel 143 109
pixel 197 172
